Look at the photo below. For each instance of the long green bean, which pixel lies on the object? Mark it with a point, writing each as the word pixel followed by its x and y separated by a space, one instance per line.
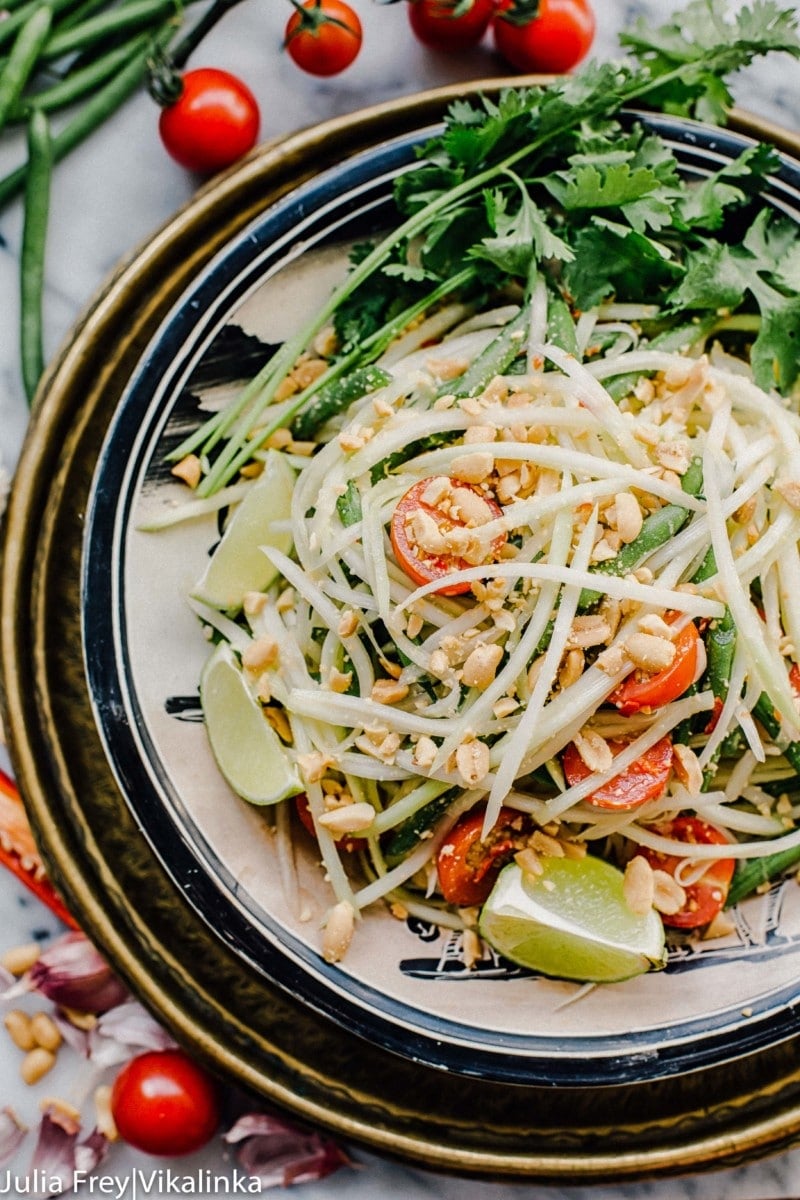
pixel 32 255
pixel 81 13
pixel 656 531
pixel 102 104
pixel 494 359
pixel 80 83
pixel 23 58
pixel 11 25
pixel 751 875
pixel 764 711
pixel 98 29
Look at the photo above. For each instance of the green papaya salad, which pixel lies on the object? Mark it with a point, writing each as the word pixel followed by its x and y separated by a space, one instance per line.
pixel 506 614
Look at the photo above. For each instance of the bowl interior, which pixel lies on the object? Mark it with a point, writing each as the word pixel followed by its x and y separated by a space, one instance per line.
pixel 404 984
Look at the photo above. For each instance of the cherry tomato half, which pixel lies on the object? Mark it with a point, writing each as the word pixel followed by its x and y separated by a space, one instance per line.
pixel 794 680
pixel 706 897
pixel 424 566
pixel 348 843
pixel 645 779
pixel 162 1102
pixel 324 38
pixel 553 41
pixel 449 24
pixel 652 691
pixel 467 866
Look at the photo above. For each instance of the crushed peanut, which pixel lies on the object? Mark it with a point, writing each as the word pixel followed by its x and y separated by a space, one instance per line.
pixel 338 932
pixel 481 666
pixel 589 630
pixel 189 470
pixel 687 768
pixel 348 818
pixel 628 516
pixel 348 623
pixel 594 750
pixel 650 653
pixel 424 753
pixel 472 761
pixel 339 681
pixel 314 765
pixel 260 654
pixel 639 885
pixel 668 896
pixel 389 691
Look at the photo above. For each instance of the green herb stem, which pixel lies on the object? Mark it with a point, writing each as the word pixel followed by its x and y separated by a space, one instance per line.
pixel 259 393
pixel 240 448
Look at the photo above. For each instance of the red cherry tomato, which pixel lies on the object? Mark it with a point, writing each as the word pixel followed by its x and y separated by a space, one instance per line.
pixel 324 38
pixel 553 41
pixel 348 843
pixel 162 1102
pixel 449 24
pixel 467 865
pixel 645 779
pixel 421 565
pixel 652 691
pixel 706 897
pixel 213 122
pixel 794 679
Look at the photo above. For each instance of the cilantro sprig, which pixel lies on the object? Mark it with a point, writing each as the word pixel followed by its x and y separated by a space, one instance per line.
pixel 563 183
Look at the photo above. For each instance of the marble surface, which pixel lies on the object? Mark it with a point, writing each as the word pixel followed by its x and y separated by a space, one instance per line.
pixel 109 197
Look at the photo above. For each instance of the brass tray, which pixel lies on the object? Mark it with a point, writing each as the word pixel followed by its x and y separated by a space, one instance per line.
pixel 211 999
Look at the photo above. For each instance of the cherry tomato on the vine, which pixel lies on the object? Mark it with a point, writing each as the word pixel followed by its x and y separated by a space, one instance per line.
pixel 323 36
pixel 468 865
pixel 162 1102
pixel 553 41
pixel 662 687
pixel 213 122
pixel 419 524
pixel 645 779
pixel 450 24
pixel 706 896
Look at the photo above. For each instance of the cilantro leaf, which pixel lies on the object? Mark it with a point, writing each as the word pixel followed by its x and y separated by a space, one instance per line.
pixel 703 205
pixel 718 276
pixel 707 44
pixel 520 236
pixel 775 354
pixel 713 279
pixel 636 191
pixel 472 133
pixel 612 260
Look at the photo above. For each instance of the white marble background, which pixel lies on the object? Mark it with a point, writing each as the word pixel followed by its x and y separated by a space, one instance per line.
pixel 108 198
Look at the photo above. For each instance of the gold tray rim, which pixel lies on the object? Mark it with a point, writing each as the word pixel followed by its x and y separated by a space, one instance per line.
pixel 58 429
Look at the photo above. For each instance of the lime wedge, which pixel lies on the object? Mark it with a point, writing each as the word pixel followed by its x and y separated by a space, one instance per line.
pixel 571 922
pixel 246 747
pixel 238 564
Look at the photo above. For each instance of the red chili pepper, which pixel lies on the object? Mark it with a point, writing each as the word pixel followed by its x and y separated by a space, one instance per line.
pixel 19 852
